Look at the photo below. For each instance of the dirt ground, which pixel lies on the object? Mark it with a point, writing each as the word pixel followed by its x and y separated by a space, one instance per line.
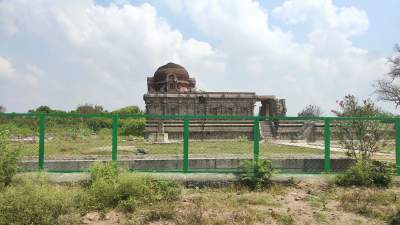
pixel 307 202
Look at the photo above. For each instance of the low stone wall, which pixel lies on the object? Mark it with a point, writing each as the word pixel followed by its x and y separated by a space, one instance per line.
pixel 294 165
pixel 294 130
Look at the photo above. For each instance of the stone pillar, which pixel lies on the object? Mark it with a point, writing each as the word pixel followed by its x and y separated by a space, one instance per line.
pixel 160 128
pixel 309 131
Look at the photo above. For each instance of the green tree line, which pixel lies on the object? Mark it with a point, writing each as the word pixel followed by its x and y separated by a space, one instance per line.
pixel 25 125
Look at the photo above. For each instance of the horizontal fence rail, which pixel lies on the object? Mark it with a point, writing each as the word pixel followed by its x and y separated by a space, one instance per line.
pixel 327 122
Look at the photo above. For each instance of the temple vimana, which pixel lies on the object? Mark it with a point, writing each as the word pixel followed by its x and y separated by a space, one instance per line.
pixel 171 91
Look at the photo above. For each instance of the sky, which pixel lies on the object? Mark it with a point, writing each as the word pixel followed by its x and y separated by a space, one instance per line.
pixel 64 53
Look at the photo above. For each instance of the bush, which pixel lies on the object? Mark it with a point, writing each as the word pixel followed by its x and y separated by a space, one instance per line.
pixel 133 127
pixel 366 173
pixel 257 174
pixel 34 202
pixel 132 109
pixel 104 171
pixel 8 160
pixel 111 188
pixel 96 124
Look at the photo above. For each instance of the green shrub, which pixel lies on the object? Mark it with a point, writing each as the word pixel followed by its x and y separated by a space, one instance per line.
pixel 135 190
pixel 257 174
pixel 34 202
pixel 133 127
pixel 366 173
pixel 111 188
pixel 96 124
pixel 18 130
pixel 104 171
pixel 8 160
pixel 76 132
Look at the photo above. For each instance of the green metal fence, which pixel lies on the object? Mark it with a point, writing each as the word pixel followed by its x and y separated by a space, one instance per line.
pixel 42 120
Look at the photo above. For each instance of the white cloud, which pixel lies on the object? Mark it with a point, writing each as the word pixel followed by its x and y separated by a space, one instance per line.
pixel 267 59
pixel 6 68
pixel 84 52
pixel 96 54
pixel 26 74
pixel 7 22
pixel 323 15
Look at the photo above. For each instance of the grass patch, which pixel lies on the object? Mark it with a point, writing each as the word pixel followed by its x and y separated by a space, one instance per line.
pixel 101 145
pixel 320 199
pixel 372 203
pixel 37 202
pixel 282 218
pixel 111 188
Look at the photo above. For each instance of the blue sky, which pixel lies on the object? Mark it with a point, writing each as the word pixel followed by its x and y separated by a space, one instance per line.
pixel 65 53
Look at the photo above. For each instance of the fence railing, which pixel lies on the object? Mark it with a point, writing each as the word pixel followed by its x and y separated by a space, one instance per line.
pixel 115 118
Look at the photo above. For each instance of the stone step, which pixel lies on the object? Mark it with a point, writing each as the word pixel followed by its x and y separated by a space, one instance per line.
pixel 266 129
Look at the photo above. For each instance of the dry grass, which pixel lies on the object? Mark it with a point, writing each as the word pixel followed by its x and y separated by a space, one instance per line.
pixel 372 202
pixel 303 203
pixel 101 146
pixel 310 202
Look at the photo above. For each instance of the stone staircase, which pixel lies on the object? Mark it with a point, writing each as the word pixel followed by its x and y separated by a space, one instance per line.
pixel 266 130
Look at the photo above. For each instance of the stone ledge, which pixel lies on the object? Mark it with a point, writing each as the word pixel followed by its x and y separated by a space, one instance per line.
pixel 293 165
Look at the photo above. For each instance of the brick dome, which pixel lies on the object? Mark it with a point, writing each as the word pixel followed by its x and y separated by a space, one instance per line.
pixel 164 71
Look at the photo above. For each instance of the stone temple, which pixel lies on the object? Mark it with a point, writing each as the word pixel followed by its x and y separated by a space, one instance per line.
pixel 171 91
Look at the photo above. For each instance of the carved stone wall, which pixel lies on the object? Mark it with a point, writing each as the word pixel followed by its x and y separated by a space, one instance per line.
pixel 205 103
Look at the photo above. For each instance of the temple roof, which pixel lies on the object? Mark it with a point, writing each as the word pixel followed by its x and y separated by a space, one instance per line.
pixel 171 68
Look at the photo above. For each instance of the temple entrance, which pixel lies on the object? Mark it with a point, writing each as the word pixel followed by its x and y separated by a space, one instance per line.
pixel 270 106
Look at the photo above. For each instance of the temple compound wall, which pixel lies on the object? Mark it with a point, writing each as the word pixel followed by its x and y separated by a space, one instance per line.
pixel 172 92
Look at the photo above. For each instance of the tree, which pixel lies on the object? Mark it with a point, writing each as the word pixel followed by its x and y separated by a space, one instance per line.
pixel 311 111
pixel 388 89
pixel 131 126
pixel 90 109
pixel 44 109
pixel 2 109
pixel 41 109
pixel 359 137
pixel 133 109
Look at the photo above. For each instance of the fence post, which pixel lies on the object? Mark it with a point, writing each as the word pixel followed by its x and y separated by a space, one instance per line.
pixel 42 128
pixel 114 138
pixel 185 144
pixel 256 139
pixel 327 132
pixel 397 125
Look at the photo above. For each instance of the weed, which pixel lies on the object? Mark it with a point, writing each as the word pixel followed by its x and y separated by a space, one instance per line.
pixel 320 199
pixel 283 219
pixel 35 203
pixel 111 188
pixel 104 171
pixel 160 212
pixel 8 159
pixel 371 203
pixel 257 174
